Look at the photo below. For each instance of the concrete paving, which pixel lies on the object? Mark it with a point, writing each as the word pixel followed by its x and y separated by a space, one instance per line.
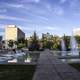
pixel 49 67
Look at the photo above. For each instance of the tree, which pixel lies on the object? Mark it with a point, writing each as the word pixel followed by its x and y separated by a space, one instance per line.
pixel 21 43
pixel 44 41
pixel 22 40
pixel 47 40
pixel 26 43
pixel 34 44
pixel 10 43
pixel 78 40
pixel 56 42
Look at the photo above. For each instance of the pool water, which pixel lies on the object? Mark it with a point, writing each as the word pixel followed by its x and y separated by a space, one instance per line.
pixel 19 57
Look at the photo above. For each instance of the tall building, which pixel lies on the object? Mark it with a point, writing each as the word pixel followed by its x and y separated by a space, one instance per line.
pixel 0 38
pixel 76 31
pixel 47 36
pixel 0 42
pixel 13 33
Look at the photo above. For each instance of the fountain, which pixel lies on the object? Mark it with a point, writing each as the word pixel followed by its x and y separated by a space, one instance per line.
pixel 12 61
pixel 63 48
pixel 28 60
pixel 74 46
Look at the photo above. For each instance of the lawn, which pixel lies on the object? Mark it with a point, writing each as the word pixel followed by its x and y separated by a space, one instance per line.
pixel 75 65
pixel 17 72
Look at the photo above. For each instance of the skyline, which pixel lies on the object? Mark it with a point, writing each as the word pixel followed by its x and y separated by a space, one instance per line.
pixel 53 16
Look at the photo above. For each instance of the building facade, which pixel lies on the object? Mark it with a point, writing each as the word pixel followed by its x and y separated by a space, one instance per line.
pixel 0 38
pixel 13 33
pixel 76 32
pixel 0 42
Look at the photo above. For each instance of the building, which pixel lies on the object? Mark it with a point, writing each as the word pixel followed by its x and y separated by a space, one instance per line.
pixel 0 42
pixel 48 36
pixel 76 32
pixel 13 33
pixel 0 38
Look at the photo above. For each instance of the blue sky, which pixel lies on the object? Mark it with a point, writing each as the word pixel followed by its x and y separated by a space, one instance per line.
pixel 53 16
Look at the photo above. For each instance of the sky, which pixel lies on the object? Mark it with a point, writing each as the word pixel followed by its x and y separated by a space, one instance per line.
pixel 54 16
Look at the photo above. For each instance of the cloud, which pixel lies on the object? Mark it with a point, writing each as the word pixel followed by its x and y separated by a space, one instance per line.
pixel 48 7
pixel 74 3
pixel 39 28
pixel 52 28
pixel 16 5
pixel 31 28
pixel 54 9
pixel 3 10
pixel 30 1
pixel 2 26
pixel 76 14
pixel 26 28
pixel 62 1
pixel 57 10
pixel 25 20
pixel 37 1
pixel 75 6
pixel 11 18
pixel 42 17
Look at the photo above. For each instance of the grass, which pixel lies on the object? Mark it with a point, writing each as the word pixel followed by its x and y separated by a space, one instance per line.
pixel 75 65
pixel 17 72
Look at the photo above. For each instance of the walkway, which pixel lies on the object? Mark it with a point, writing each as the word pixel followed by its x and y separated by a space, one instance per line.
pixel 51 68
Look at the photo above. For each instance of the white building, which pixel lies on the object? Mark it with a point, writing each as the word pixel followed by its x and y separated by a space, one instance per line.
pixel 76 31
pixel 13 33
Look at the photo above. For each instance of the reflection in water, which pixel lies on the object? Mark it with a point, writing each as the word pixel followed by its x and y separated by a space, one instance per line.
pixel 74 46
pixel 12 61
pixel 71 60
pixel 19 57
pixel 27 60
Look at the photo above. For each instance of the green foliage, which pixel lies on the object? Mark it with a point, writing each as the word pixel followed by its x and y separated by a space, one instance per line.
pixel 17 72
pixel 34 44
pixel 20 45
pixel 50 42
pixel 46 41
pixel 75 65
pixel 10 43
pixel 78 40
pixel 26 43
pixel 21 40
pixel 56 42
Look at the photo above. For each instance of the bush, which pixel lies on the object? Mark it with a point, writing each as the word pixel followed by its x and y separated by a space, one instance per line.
pixel 20 46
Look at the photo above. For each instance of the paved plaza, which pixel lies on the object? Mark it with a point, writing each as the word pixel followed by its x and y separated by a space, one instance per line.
pixel 49 67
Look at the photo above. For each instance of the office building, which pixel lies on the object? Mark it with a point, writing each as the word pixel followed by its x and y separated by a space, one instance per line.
pixel 13 33
pixel 76 32
pixel 0 38
pixel 0 42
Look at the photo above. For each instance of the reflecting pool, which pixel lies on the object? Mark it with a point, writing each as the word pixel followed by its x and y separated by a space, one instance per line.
pixel 19 57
